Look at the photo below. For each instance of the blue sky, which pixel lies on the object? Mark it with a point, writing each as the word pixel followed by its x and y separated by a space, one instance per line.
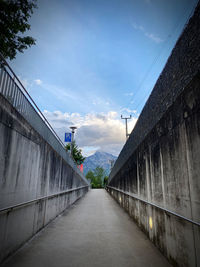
pixel 95 60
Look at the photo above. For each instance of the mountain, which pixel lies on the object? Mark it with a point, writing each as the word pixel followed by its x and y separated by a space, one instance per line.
pixel 101 159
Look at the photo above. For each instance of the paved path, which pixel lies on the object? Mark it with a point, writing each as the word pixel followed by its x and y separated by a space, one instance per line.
pixel 94 232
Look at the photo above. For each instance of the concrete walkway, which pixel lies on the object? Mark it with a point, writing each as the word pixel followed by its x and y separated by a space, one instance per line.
pixel 94 232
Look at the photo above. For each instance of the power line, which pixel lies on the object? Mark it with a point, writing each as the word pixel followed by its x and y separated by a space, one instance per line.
pixel 158 56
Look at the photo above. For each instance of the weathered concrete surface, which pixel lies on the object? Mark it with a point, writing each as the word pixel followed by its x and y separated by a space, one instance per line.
pixel 182 66
pixel 30 169
pixel 160 163
pixel 95 232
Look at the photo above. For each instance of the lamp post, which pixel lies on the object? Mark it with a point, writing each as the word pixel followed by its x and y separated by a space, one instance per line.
pixel 73 128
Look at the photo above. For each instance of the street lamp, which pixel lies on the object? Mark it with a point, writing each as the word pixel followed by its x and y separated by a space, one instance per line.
pixel 73 128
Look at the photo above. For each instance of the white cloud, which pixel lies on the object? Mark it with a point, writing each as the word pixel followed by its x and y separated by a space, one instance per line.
pixel 38 81
pixel 67 94
pixel 60 93
pixel 105 131
pixel 151 36
pixel 100 101
pixel 129 94
pixel 137 27
pixel 128 110
pixel 89 150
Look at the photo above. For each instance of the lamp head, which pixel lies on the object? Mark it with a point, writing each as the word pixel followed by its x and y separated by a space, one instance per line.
pixel 73 128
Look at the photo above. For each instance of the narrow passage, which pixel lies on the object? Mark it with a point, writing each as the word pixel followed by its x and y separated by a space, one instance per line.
pixel 93 232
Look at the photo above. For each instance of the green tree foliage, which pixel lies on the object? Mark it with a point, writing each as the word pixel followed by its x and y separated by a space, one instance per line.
pixel 14 15
pixel 76 153
pixel 96 177
pixel 105 181
pixel 91 178
pixel 99 173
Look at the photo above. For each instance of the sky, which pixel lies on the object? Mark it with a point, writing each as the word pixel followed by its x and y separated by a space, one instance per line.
pixel 95 60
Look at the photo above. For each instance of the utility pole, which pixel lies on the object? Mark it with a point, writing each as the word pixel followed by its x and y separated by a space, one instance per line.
pixel 126 118
pixel 73 128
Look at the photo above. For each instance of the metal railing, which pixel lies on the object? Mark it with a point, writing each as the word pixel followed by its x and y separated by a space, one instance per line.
pixel 19 205
pixel 14 91
pixel 19 97
pixel 154 205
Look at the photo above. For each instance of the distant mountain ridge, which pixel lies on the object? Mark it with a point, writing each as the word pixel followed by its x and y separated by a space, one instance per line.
pixel 101 159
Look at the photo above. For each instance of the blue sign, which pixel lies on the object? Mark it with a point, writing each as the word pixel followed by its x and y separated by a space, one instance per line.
pixel 68 137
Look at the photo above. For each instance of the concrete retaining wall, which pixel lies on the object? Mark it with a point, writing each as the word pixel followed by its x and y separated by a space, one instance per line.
pixel 30 170
pixel 158 170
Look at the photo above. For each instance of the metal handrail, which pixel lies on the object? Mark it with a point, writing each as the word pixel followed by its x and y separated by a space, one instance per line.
pixel 5 63
pixel 154 205
pixel 14 91
pixel 6 209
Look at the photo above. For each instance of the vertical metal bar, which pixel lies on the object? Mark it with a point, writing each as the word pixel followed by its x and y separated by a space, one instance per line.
pixel 19 101
pixel 15 95
pixel 24 107
pixel 8 88
pixel 17 98
pixel 22 104
pixel 29 111
pixel 1 77
pixel 12 90
pixel 6 85
pixel 3 82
